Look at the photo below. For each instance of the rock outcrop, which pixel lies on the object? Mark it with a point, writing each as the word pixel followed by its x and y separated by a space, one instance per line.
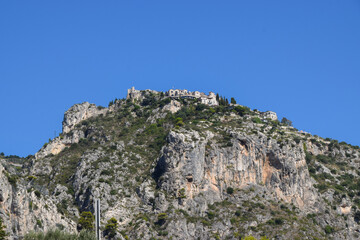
pixel 80 112
pixel 72 117
pixel 175 168
pixel 26 209
pixel 202 166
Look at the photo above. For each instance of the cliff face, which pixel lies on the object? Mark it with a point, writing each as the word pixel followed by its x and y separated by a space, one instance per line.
pixel 174 168
pixel 23 209
pixel 80 112
pixel 199 164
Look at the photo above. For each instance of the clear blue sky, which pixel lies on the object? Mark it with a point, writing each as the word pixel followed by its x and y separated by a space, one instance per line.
pixel 300 59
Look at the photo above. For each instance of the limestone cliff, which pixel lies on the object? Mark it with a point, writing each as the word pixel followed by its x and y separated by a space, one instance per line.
pixel 175 168
pixel 80 112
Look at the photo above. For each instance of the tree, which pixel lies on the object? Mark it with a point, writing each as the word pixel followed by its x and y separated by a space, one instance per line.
pixel 286 121
pixel 233 101
pixel 86 221
pixel 111 227
pixel 3 234
pixel 230 190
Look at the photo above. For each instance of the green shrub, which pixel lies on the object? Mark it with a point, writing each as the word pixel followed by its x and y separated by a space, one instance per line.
pixel 179 122
pixel 249 238
pixel 279 221
pixel 59 235
pixel 211 215
pixel 328 229
pixel 39 223
pixel 161 218
pixel 229 190
pixel 37 193
pixel 242 110
pixel 86 221
pixel 286 122
pixel 12 179
pixel 182 193
pixel 325 159
pixel 111 228
pixel 30 178
pixel 256 120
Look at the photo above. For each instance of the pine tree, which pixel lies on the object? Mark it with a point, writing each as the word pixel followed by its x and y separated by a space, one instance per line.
pixel 86 221
pixel 222 101
pixel 286 122
pixel 233 101
pixel 111 228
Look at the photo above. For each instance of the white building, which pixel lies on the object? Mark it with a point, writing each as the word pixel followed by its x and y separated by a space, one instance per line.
pixel 205 99
pixel 271 115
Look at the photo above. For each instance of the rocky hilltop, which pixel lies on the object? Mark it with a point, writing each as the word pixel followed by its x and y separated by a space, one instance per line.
pixel 173 168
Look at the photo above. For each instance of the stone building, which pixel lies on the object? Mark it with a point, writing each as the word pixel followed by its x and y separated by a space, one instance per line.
pixel 210 99
pixel 133 94
pixel 269 114
pixel 205 99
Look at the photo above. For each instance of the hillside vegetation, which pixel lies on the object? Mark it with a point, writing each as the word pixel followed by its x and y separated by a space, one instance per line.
pixel 167 168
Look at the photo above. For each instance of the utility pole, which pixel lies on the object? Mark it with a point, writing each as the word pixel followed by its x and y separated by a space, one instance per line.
pixel 97 218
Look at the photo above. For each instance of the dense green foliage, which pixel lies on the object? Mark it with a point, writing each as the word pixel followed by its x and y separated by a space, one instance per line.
pixel 59 235
pixel 286 121
pixel 86 221
pixel 111 228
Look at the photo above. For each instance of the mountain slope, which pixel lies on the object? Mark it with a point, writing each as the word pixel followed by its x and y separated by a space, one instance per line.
pixel 175 168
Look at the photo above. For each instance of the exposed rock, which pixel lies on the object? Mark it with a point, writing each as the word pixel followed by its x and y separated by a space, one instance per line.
pixel 26 211
pixel 80 112
pixel 177 169
pixel 58 144
pixel 173 106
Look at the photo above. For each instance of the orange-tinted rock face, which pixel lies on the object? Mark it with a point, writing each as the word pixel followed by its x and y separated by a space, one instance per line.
pixel 249 161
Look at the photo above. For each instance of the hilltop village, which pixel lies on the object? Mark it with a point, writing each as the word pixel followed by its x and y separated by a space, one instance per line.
pixel 209 100
pixel 164 161
pixel 177 93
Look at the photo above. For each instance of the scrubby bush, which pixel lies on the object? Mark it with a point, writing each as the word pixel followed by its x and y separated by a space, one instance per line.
pixel 242 110
pixel 256 120
pixel 161 218
pixel 86 221
pixel 59 235
pixel 229 190
pixel 328 229
pixel 286 122
pixel 111 228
